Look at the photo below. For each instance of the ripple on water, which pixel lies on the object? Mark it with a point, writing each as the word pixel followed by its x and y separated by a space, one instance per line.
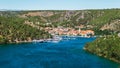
pixel 64 54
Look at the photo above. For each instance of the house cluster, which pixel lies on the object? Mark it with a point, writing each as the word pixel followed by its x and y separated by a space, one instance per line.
pixel 69 31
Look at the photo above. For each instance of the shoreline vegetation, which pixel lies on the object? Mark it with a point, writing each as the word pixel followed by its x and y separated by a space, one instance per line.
pixel 13 29
pixel 26 26
pixel 107 47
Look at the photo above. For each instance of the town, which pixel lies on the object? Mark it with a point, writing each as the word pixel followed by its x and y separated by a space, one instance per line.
pixel 60 30
pixel 69 31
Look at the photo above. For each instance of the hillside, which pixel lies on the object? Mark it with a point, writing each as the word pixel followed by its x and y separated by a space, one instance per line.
pixel 108 47
pixel 31 24
pixel 13 29
pixel 68 18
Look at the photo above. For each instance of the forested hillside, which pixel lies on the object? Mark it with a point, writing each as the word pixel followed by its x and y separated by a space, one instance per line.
pixel 68 18
pixel 13 29
pixel 22 25
pixel 108 47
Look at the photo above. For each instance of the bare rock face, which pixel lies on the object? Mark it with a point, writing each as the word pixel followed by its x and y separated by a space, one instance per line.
pixel 113 25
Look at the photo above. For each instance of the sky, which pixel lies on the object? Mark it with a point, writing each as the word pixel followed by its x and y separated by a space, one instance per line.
pixel 58 4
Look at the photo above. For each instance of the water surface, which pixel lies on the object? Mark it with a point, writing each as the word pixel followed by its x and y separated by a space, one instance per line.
pixel 67 53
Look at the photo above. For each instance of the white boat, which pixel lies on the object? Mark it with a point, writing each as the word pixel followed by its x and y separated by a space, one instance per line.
pixel 56 39
pixel 41 40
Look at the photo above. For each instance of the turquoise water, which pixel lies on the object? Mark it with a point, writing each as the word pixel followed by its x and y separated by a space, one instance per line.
pixel 64 54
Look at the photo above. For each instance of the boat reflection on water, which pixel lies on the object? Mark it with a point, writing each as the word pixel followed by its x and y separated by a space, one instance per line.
pixel 57 39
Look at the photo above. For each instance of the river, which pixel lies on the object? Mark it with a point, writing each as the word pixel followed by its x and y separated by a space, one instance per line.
pixel 67 53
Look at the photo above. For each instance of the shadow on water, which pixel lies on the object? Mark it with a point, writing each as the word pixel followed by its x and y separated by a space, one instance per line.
pixel 64 54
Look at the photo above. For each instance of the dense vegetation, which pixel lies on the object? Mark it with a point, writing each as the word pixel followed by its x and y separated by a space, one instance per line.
pixel 13 28
pixel 96 18
pixel 29 25
pixel 104 16
pixel 108 47
pixel 12 23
